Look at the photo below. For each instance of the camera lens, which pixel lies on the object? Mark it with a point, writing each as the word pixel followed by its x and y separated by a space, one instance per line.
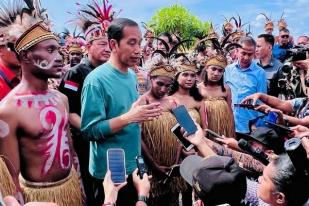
pixel 292 144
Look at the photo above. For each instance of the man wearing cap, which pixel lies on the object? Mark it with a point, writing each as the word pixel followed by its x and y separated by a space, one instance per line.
pixel 72 83
pixel 217 180
pixel 35 138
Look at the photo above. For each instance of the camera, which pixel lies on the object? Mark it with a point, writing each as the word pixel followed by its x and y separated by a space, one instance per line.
pixel 297 53
pixel 298 155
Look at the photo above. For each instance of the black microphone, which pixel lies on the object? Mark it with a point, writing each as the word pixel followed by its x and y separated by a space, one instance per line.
pixel 255 152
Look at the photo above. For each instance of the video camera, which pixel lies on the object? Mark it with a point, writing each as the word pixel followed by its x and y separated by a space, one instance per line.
pixel 294 54
pixel 298 155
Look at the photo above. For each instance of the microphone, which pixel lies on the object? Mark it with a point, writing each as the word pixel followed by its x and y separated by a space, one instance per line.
pixel 255 152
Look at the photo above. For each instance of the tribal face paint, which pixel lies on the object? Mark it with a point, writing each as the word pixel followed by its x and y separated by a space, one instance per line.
pixel 46 60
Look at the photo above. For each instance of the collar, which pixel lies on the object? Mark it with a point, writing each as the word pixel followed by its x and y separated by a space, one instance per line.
pixel 270 64
pixel 87 63
pixel 9 74
pixel 244 69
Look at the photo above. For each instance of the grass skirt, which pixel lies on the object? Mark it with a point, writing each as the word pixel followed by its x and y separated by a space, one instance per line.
pixel 220 117
pixel 63 192
pixel 7 186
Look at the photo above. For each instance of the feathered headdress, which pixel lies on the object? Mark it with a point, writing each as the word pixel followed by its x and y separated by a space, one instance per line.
pixel 282 23
pixel 269 23
pixel 166 66
pixel 222 49
pixel 149 31
pixel 239 29
pixel 227 25
pixel 94 19
pixel 9 10
pixel 74 41
pixel 212 33
pixel 28 24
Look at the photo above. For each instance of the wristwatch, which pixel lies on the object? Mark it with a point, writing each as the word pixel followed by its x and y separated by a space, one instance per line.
pixel 142 198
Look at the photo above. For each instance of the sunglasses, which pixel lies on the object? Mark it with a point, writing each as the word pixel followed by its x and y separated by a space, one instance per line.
pixel 285 36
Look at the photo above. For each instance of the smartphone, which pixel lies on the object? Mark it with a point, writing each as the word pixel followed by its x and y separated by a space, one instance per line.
pixel 213 135
pixel 272 117
pixel 180 138
pixel 184 119
pixel 247 106
pixel 278 127
pixel 116 164
pixel 142 167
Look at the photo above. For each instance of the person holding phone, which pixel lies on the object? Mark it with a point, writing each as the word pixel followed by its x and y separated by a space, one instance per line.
pixel 160 147
pixel 284 108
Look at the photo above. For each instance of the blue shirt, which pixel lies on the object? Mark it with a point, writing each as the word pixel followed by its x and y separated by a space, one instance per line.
pixel 108 93
pixel 279 52
pixel 244 82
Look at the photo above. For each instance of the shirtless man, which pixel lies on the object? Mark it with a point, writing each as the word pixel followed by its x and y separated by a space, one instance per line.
pixel 34 135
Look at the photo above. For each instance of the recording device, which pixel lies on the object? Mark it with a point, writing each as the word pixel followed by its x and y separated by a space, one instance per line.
pixel 279 128
pixel 298 155
pixel 184 119
pixel 142 167
pixel 247 106
pixel 272 117
pixel 180 138
pixel 116 164
pixel 211 134
pixel 255 152
pixel 297 53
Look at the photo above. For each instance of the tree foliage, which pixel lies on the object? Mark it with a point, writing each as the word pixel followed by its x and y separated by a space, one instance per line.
pixel 177 19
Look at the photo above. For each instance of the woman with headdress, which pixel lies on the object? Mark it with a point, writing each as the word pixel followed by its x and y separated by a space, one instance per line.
pixel 216 94
pixel 160 148
pixel 184 90
pixel 217 98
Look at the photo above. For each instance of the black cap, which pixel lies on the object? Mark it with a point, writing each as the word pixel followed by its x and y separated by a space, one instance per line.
pixel 266 136
pixel 216 180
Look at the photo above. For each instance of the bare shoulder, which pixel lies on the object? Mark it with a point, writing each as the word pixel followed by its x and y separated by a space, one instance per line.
pixel 227 88
pixel 62 96
pixel 8 106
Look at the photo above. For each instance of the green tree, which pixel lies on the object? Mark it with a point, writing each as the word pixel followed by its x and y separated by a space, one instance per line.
pixel 177 19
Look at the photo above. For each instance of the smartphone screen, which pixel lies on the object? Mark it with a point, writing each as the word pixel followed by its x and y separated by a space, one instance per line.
pixel 272 117
pixel 116 164
pixel 177 132
pixel 184 119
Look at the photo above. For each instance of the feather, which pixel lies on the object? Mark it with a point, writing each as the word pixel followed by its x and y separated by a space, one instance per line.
pixel 175 48
pixel 225 40
pixel 266 17
pixel 162 53
pixel 232 46
pixel 167 48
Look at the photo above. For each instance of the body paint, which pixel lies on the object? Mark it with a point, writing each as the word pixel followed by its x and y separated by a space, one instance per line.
pixel 35 100
pixel 57 147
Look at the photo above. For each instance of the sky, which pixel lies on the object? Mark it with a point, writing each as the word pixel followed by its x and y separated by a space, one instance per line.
pixel 295 12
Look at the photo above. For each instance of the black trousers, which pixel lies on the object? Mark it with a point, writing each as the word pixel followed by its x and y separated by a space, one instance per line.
pixel 127 196
pixel 81 148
